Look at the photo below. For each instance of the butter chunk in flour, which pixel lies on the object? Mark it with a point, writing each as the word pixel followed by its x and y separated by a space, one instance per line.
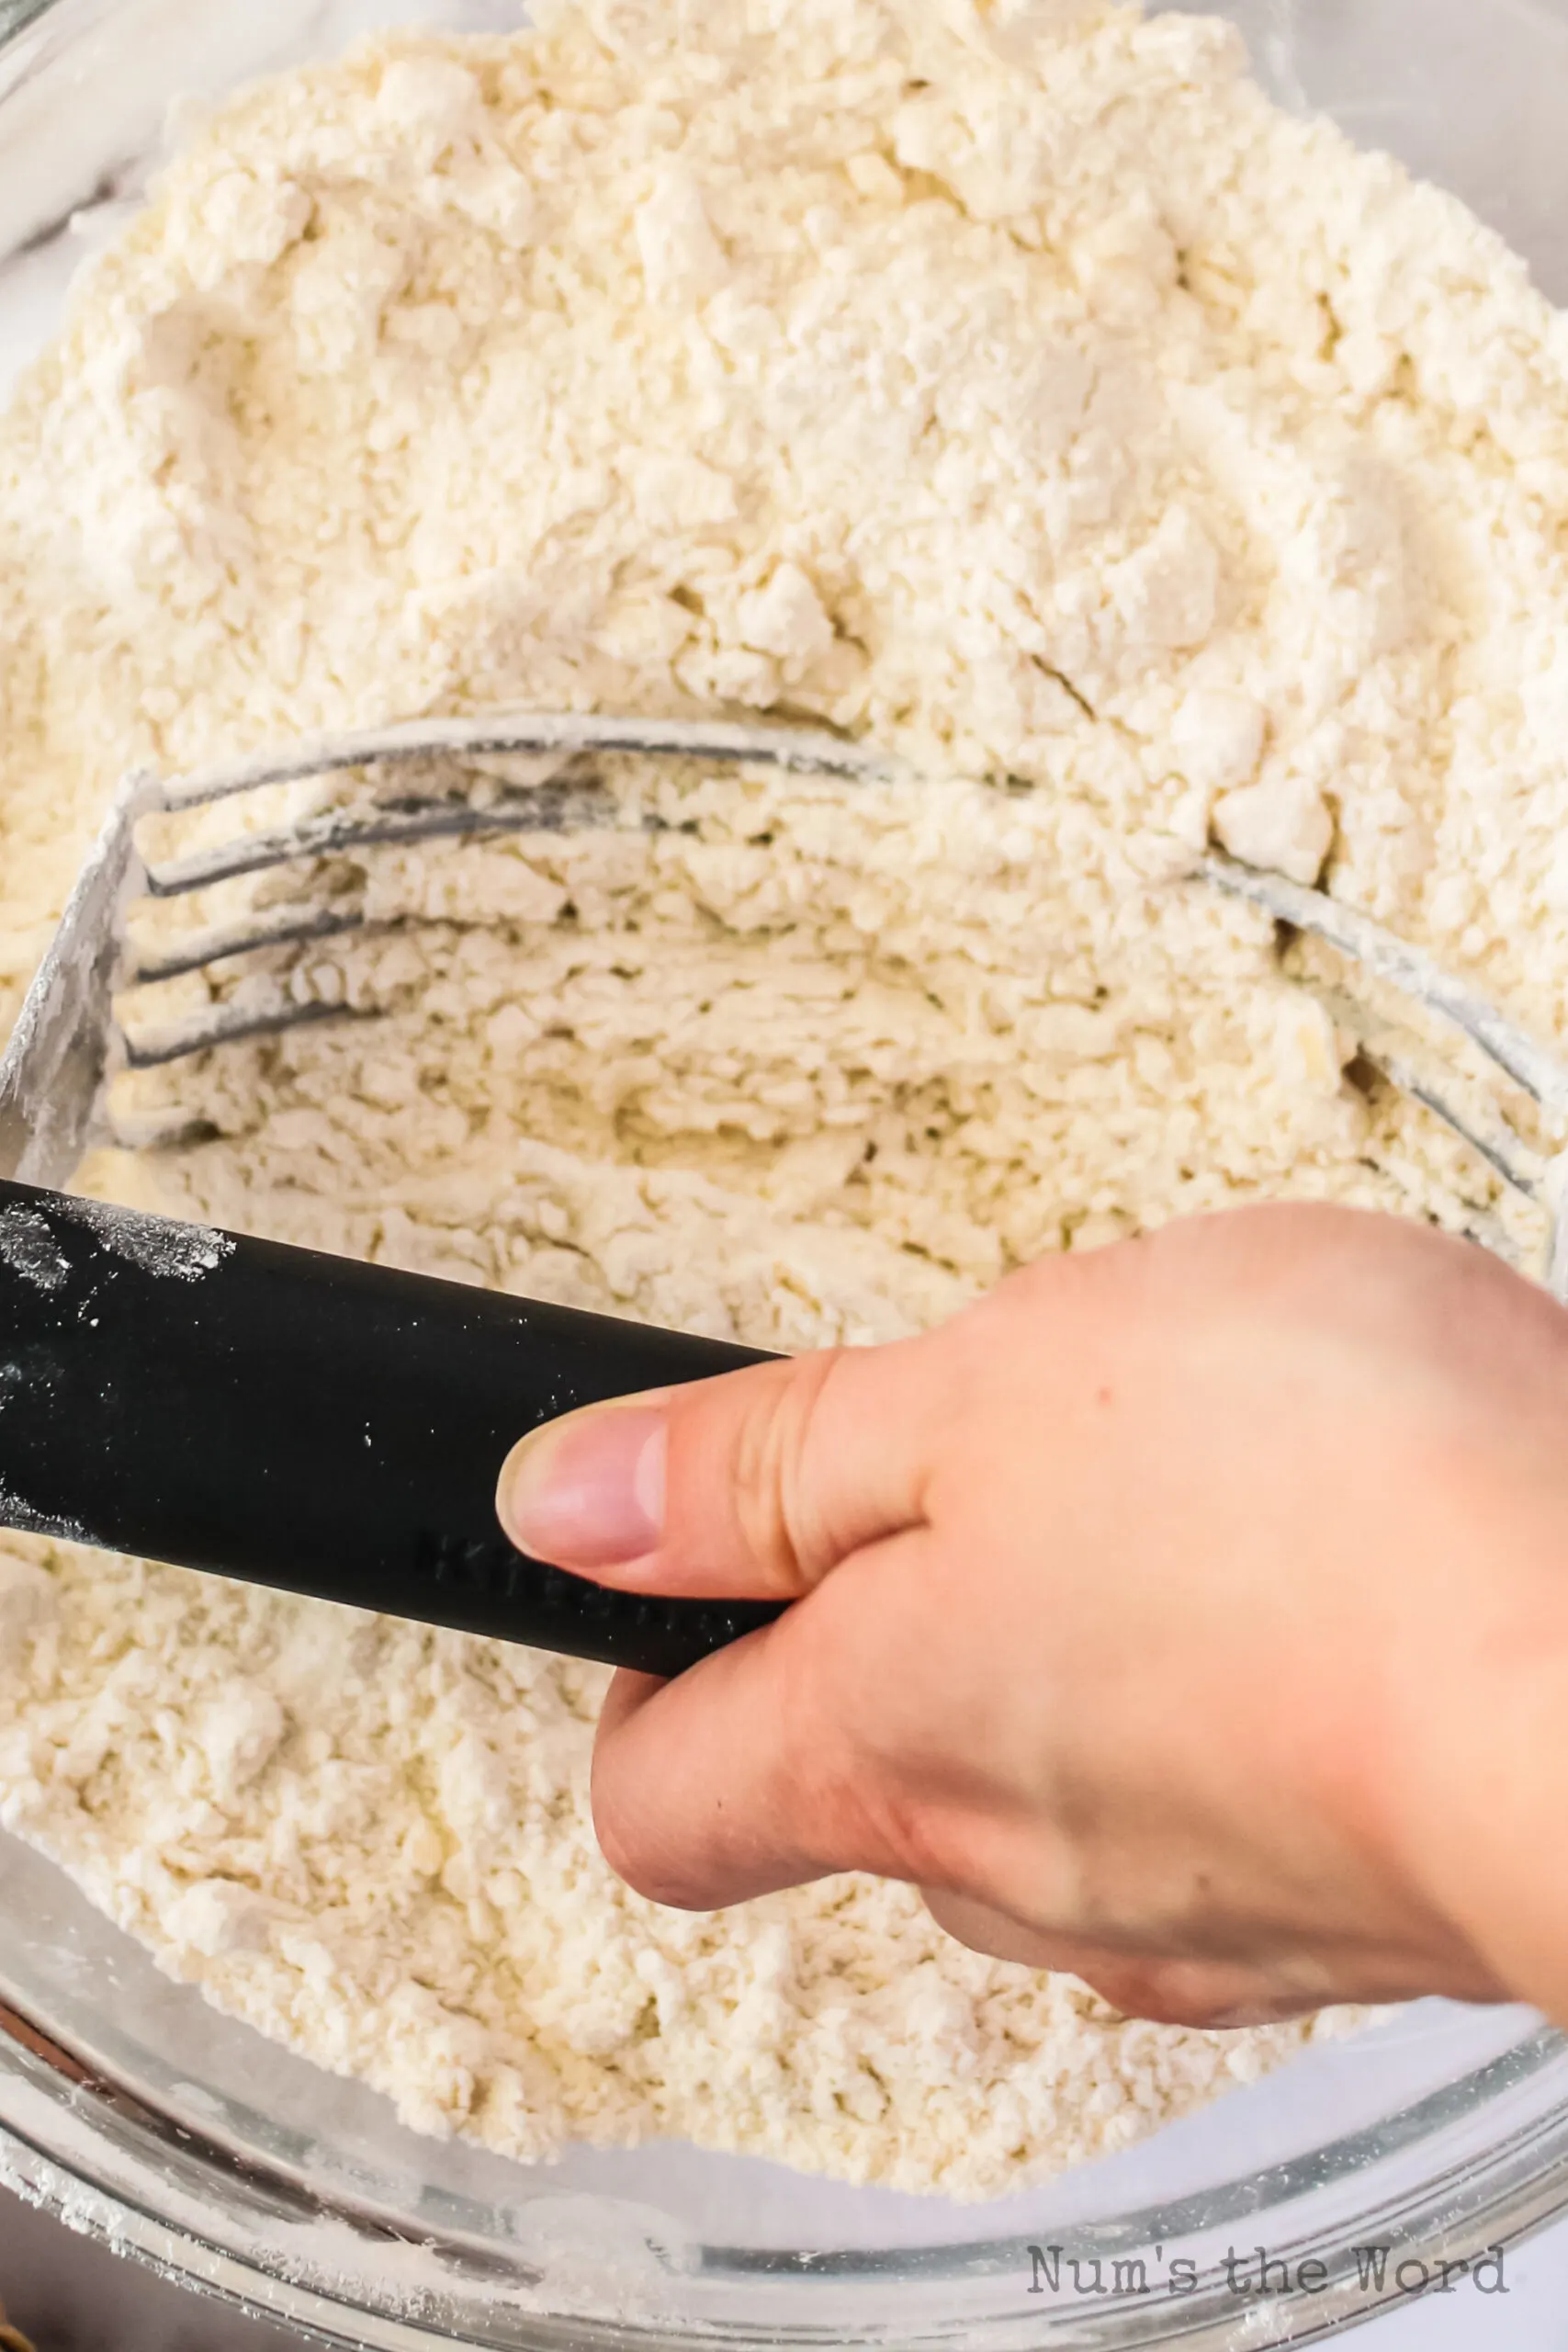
pixel 1010 385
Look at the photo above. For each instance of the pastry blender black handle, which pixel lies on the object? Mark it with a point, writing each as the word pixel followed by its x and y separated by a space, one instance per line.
pixel 305 1421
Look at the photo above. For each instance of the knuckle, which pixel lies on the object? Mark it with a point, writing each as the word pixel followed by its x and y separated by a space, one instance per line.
pixel 782 1523
pixel 870 1821
pixel 1202 1997
pixel 1147 1991
pixel 855 1808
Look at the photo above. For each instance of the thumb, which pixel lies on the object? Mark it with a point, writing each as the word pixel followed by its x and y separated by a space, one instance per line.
pixel 754 1485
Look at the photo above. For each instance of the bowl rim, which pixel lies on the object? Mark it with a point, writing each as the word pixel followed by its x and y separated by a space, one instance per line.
pixel 101 2155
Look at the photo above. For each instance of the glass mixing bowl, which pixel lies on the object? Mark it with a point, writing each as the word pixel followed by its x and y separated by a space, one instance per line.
pixel 135 2112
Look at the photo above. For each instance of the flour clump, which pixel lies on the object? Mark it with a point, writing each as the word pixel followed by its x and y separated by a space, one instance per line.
pixel 1010 386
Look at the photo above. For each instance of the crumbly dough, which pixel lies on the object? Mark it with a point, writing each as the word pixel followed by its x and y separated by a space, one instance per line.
pixel 1012 385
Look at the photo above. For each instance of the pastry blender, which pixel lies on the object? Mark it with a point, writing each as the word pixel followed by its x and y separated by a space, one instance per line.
pixel 297 1419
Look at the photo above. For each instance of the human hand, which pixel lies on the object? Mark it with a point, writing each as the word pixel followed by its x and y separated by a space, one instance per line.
pixel 1191 1616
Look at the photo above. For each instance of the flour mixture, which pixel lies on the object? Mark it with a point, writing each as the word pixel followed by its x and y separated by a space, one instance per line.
pixel 1013 385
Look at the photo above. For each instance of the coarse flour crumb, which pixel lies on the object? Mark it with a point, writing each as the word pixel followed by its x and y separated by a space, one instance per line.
pixel 1011 386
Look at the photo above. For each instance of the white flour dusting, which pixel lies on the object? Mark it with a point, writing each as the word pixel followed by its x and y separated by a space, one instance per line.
pixel 1010 386
pixel 170 1251
pixel 28 1249
pixel 24 1517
